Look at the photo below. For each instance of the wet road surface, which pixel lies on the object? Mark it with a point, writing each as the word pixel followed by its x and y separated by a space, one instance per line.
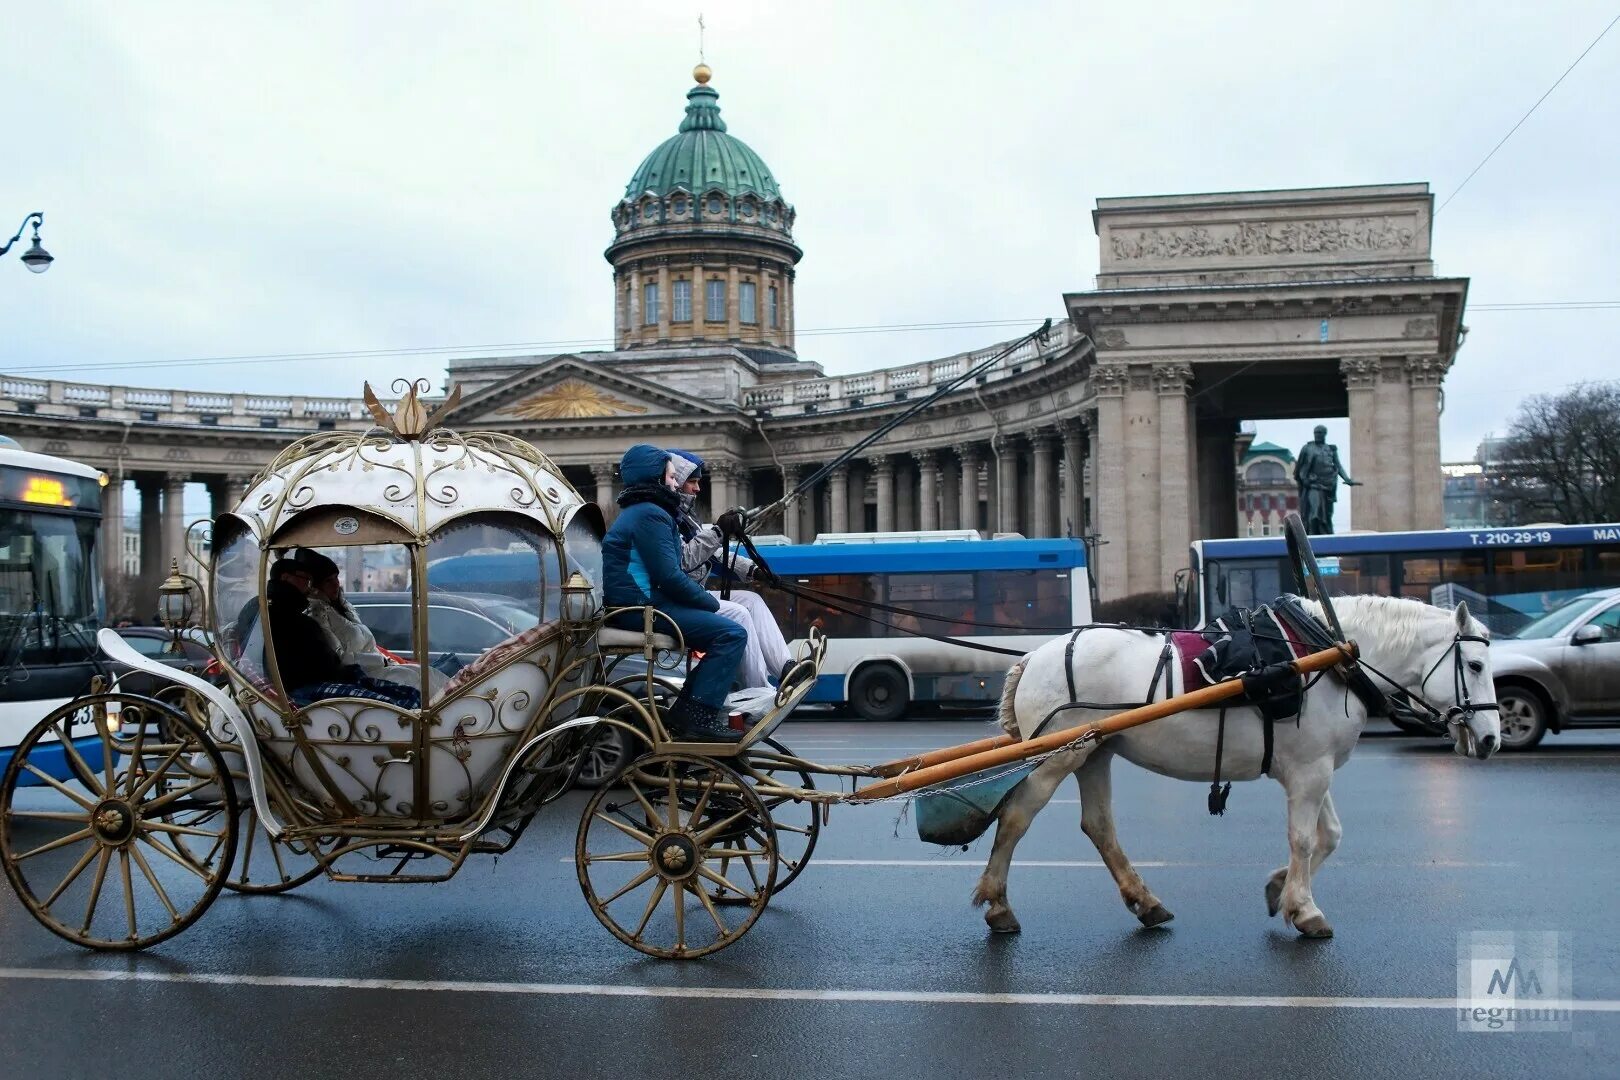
pixel 874 963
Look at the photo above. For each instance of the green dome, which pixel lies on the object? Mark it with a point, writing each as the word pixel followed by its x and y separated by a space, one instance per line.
pixel 702 157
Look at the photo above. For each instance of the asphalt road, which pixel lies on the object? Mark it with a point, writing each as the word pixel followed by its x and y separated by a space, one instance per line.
pixel 874 964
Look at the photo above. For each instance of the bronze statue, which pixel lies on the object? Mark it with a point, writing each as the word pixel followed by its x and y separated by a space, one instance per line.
pixel 1317 472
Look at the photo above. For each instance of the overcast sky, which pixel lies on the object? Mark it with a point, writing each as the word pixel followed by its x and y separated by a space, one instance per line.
pixel 230 179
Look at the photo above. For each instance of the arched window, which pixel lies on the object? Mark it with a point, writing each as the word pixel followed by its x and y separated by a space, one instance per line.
pixel 1267 472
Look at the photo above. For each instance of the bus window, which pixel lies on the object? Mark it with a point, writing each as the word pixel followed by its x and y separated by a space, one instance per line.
pixel 1356 575
pixel 1532 581
pixel 1037 599
pixel 849 590
pixel 947 600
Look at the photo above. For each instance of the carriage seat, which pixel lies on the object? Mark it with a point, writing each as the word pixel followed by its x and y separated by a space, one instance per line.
pixel 610 637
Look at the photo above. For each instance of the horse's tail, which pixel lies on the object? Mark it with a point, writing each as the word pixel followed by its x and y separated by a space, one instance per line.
pixel 1006 713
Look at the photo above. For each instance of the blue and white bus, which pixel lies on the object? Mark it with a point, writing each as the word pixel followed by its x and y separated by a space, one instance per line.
pixel 955 581
pixel 50 591
pixel 1508 576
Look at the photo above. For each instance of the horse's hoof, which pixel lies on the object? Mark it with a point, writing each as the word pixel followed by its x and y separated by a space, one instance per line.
pixel 1314 927
pixel 1002 922
pixel 1274 889
pixel 1157 915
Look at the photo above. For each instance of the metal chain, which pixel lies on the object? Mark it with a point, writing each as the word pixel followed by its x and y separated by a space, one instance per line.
pixel 972 781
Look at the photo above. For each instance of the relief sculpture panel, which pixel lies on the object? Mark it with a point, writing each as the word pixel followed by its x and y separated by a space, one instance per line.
pixel 1371 234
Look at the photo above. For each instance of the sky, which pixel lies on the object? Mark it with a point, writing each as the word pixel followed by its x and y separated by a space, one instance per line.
pixel 229 180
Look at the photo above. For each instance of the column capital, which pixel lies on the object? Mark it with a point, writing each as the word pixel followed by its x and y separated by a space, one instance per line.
pixel 1110 380
pixel 1172 379
pixel 175 481
pixel 724 469
pixel 1360 372
pixel 1426 370
pixel 925 458
pixel 882 466
pixel 602 474
pixel 1042 440
pixel 970 453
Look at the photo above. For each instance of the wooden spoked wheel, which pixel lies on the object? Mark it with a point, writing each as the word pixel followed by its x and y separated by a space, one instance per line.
pixel 264 865
pixel 797 822
pixel 132 846
pixel 651 850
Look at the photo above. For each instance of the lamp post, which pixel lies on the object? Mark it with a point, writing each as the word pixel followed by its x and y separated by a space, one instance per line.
pixel 36 258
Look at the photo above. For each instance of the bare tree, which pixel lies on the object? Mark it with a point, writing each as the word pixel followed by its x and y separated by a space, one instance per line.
pixel 1561 458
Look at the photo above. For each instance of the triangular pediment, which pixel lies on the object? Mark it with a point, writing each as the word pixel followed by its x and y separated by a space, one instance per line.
pixel 569 388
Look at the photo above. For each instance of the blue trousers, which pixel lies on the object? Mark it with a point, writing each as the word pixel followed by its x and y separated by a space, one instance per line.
pixel 721 641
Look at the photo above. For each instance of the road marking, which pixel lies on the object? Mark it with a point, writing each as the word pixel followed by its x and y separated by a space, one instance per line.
pixel 954 862
pixel 740 993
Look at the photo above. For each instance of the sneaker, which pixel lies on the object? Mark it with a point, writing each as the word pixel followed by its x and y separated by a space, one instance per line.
pixel 696 722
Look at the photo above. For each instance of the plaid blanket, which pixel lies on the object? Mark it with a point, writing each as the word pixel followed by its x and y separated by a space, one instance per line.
pixel 365 688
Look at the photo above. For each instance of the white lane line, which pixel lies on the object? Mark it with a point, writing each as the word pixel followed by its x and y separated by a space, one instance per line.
pixel 955 863
pixel 740 993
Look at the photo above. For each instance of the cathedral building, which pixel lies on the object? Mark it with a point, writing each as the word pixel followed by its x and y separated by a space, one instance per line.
pixel 1121 426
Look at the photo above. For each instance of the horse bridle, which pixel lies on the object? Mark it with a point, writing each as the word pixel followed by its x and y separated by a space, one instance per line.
pixel 1466 707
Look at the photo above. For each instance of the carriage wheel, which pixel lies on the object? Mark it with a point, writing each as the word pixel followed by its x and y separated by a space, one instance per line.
pixel 649 852
pixel 117 815
pixel 797 822
pixel 1307 574
pixel 263 865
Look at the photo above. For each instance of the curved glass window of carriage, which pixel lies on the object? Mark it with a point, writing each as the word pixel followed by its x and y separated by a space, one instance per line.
pixel 681 301
pixel 649 304
pixel 715 300
pixel 748 302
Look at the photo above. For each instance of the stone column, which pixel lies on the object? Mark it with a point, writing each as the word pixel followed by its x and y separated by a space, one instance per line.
pixel 968 496
pixel 1006 484
pixel 634 332
pixel 859 472
pixel 1361 385
pixel 950 492
pixel 839 510
pixel 1175 463
pixel 883 468
pixel 1043 492
pixel 112 535
pixel 665 301
pixel 603 475
pixel 1424 375
pixel 722 490
pixel 927 490
pixel 733 308
pixel 792 518
pixel 1109 504
pixel 1074 466
pixel 174 525
pixel 1394 434
pixel 905 494
pixel 151 492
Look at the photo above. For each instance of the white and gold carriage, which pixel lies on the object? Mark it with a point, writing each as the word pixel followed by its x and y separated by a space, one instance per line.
pixel 122 817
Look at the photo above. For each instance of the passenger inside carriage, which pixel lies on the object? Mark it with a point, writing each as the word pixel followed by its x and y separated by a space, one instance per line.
pixel 310 667
pixel 641 565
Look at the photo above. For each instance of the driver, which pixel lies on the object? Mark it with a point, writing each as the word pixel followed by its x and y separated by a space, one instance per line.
pixel 641 565
pixel 701 548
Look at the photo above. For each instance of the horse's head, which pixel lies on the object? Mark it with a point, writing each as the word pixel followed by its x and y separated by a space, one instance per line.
pixel 1456 681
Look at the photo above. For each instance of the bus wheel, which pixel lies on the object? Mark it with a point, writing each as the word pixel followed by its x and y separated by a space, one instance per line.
pixel 879 692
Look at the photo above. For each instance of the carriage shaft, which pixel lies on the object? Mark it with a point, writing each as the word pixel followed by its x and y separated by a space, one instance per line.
pixel 943 754
pixel 1057 740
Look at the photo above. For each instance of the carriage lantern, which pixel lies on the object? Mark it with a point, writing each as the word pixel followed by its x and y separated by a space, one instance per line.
pixel 175 603
pixel 578 600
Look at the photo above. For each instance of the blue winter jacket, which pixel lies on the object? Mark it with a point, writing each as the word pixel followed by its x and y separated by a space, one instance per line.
pixel 641 554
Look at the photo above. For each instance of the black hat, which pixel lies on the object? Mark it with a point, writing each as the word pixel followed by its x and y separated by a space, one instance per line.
pixel 319 566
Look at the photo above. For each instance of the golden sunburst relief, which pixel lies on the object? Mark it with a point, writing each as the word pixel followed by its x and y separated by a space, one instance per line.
pixel 574 399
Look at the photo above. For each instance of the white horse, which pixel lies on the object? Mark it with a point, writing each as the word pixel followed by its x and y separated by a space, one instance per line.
pixel 1408 641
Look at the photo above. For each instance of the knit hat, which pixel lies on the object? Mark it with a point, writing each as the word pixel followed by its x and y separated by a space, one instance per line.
pixel 686 464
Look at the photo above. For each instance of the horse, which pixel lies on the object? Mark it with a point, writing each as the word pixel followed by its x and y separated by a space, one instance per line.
pixel 1439 656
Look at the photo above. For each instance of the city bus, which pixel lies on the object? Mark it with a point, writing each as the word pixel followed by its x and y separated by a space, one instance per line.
pixel 1509 577
pixel 880 665
pixel 51 601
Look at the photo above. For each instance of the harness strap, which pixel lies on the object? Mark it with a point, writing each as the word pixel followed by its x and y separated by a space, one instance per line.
pixel 1217 793
pixel 1068 664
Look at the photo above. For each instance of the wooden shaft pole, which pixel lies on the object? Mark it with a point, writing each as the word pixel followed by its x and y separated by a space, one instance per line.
pixel 946 753
pixel 1007 754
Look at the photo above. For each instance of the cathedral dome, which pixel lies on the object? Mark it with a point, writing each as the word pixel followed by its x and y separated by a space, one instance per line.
pixel 702 175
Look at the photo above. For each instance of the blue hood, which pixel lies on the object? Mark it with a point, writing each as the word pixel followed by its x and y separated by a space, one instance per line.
pixel 643 463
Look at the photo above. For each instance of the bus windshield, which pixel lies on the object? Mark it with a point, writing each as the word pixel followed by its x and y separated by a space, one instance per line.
pixel 49 586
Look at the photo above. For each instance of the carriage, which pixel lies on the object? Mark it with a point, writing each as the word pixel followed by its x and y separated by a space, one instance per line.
pixel 123 817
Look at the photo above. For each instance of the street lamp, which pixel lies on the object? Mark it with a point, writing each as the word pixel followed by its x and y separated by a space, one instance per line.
pixel 36 258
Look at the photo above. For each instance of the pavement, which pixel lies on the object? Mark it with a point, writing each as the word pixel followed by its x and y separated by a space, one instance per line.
pixel 874 963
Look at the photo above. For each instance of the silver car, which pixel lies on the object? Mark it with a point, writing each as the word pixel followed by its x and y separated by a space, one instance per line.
pixel 1561 671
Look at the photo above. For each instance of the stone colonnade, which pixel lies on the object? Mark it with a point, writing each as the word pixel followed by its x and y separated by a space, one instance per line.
pixel 161 524
pixel 1016 483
